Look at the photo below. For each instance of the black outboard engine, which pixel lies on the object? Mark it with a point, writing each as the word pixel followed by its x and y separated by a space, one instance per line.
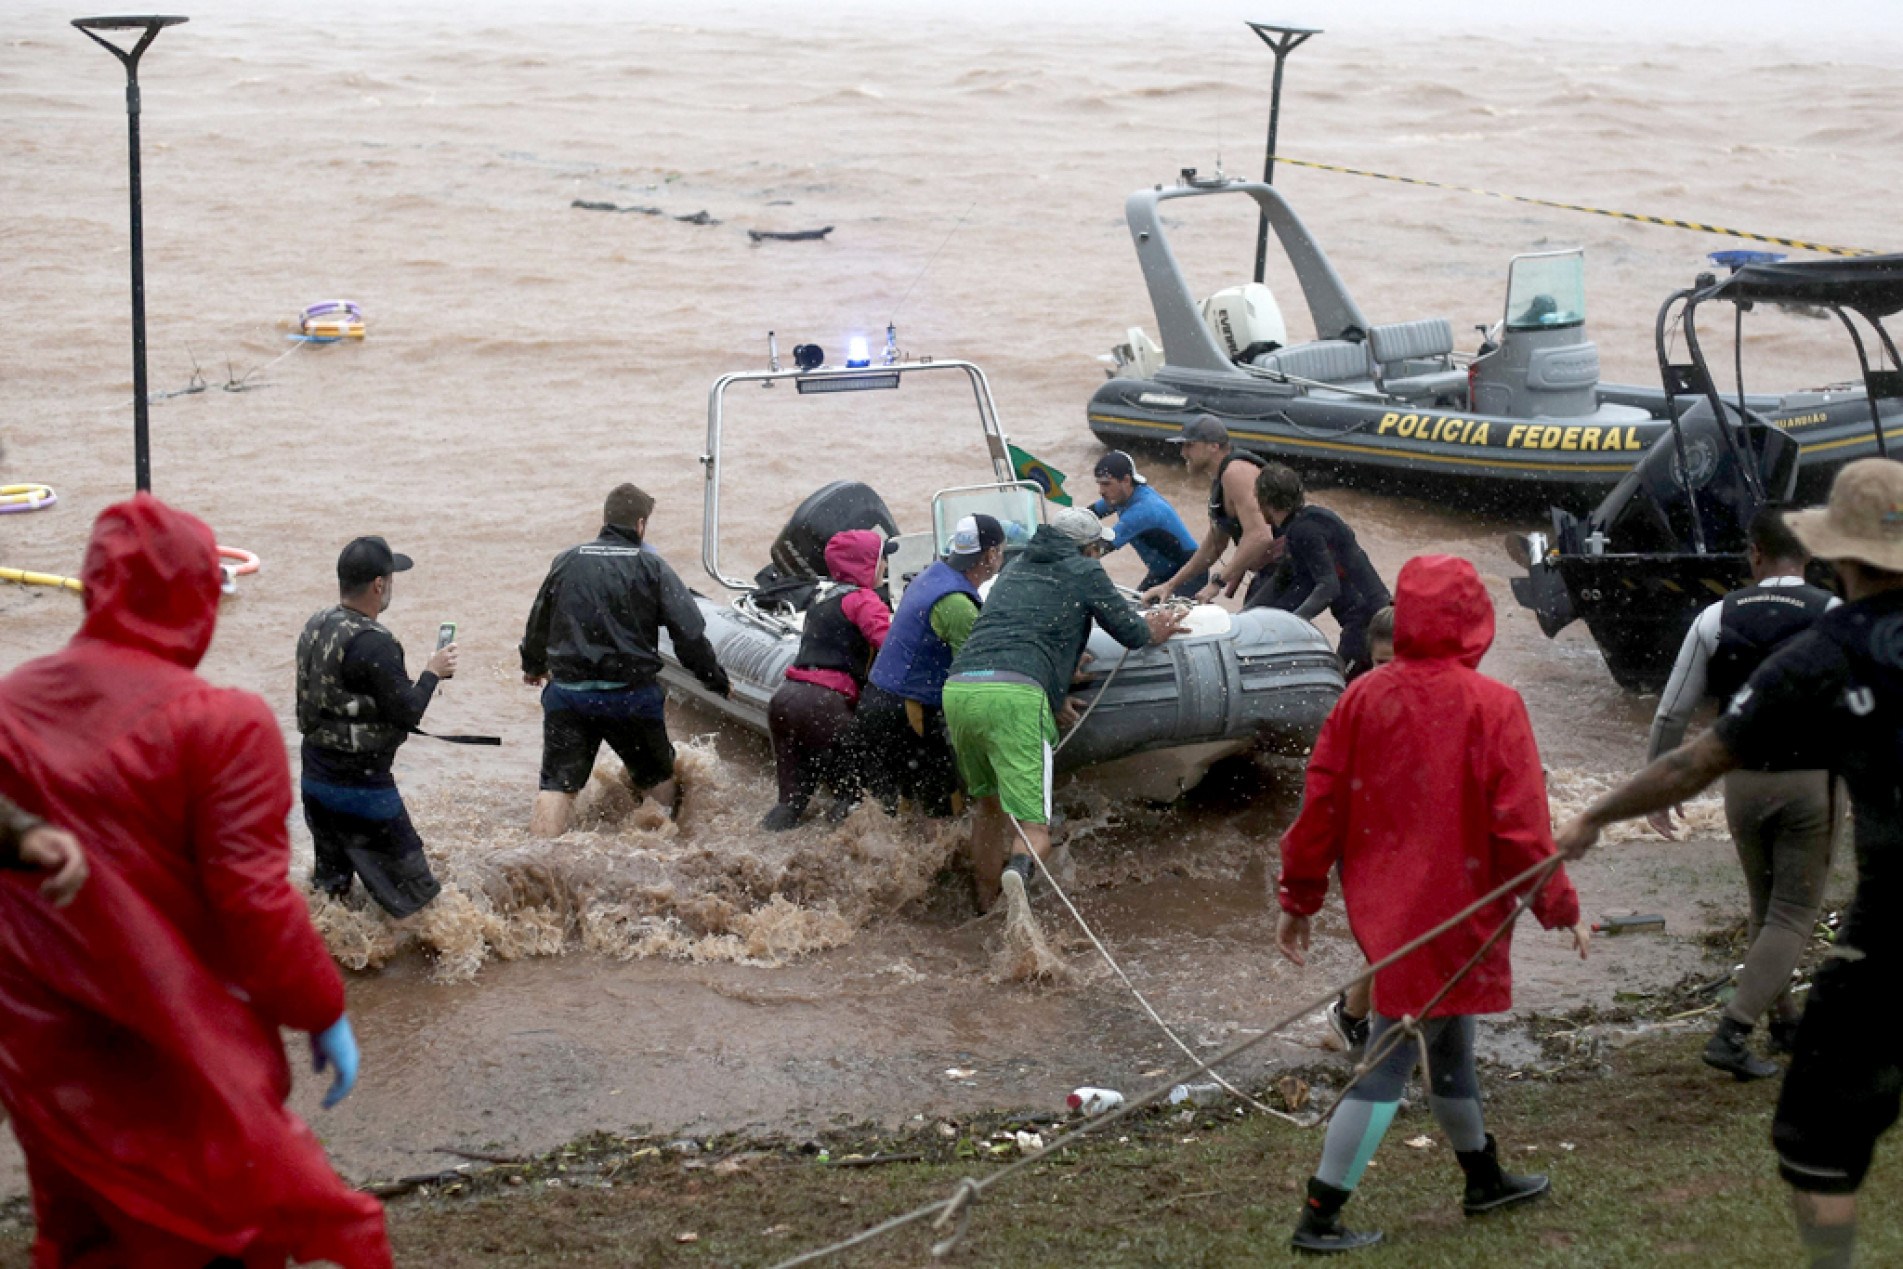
pixel 1650 511
pixel 798 555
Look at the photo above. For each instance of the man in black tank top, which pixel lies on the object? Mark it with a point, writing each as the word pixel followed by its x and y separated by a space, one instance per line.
pixel 1783 822
pixel 1234 518
pixel 1322 568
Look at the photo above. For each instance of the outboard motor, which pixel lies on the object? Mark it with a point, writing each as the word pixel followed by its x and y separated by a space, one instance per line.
pixel 1650 510
pixel 799 553
pixel 1543 366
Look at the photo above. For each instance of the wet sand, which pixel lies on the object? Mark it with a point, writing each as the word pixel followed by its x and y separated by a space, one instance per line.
pixel 524 356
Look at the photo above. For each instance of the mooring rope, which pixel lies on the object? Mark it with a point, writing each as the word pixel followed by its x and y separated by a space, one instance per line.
pixel 970 1189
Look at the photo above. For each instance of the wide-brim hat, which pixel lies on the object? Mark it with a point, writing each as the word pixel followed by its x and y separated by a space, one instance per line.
pixel 1863 521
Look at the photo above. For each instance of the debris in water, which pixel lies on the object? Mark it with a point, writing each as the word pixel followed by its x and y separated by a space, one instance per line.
pixel 798 235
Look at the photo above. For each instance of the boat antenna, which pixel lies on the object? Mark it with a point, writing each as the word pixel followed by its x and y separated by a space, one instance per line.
pixel 893 320
pixel 1282 40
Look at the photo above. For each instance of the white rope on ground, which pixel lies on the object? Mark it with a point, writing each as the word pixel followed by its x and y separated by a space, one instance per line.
pixel 970 1188
pixel 1149 1009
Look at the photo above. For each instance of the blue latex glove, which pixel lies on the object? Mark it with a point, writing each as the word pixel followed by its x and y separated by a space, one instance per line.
pixel 336 1047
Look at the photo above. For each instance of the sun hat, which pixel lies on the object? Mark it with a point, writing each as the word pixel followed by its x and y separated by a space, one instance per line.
pixel 1863 520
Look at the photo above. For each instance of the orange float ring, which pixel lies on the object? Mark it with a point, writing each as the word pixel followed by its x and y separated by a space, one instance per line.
pixel 246 562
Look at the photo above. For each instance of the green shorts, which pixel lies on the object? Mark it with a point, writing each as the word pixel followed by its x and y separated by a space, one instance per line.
pixel 1002 734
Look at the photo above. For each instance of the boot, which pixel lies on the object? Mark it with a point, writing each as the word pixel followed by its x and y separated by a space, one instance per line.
pixel 782 817
pixel 1320 1230
pixel 1489 1188
pixel 1728 1051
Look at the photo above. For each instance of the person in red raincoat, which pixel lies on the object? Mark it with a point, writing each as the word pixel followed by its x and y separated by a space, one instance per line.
pixel 1426 790
pixel 140 1056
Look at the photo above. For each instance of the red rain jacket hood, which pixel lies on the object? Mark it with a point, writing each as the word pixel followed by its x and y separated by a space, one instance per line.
pixel 141 1059
pixel 852 557
pixel 1426 788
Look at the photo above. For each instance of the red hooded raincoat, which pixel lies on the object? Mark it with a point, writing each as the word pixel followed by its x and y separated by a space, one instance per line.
pixel 1426 787
pixel 141 1058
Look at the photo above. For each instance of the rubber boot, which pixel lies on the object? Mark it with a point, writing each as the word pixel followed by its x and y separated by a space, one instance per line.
pixel 1489 1188
pixel 1320 1231
pixel 1729 1050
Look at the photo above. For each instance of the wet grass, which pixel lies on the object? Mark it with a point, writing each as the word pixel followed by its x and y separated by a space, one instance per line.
pixel 1659 1162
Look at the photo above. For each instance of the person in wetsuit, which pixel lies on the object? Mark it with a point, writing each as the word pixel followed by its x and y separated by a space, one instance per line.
pixel 1234 518
pixel 1146 523
pixel 1323 568
pixel 356 706
pixel 1832 700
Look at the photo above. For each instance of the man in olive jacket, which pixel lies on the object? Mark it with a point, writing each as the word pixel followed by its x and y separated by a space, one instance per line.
pixel 1007 686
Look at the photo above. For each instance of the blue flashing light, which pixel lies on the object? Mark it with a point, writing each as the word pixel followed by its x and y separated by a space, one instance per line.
pixel 857 355
pixel 1737 259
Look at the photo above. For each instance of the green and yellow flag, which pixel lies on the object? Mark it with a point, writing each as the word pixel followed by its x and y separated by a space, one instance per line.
pixel 1040 473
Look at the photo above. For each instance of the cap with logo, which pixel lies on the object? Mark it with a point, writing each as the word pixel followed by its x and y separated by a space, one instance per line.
pixel 1863 520
pixel 1206 428
pixel 1081 526
pixel 971 538
pixel 1118 465
pixel 366 559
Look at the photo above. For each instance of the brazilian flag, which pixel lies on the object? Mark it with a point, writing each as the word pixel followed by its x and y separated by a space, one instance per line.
pixel 1040 473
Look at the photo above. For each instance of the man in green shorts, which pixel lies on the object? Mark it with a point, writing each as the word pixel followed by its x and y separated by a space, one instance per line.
pixel 1007 688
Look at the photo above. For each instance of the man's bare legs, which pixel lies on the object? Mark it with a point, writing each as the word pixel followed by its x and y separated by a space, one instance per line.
pixel 554 810
pixel 993 841
pixel 1827 1224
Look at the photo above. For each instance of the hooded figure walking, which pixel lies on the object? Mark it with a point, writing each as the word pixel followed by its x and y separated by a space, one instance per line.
pixel 142 1060
pixel 1426 789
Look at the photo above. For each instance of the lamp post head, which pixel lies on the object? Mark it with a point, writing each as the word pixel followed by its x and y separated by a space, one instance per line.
pixel 150 23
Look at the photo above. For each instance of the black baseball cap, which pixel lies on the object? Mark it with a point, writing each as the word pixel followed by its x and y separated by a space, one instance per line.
pixel 367 559
pixel 1204 427
pixel 1118 465
pixel 973 536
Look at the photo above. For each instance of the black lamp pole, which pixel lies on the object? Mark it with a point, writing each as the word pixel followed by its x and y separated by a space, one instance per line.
pixel 151 26
pixel 1282 40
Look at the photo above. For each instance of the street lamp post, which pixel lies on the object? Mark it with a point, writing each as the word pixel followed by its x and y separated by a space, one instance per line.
pixel 151 25
pixel 1282 40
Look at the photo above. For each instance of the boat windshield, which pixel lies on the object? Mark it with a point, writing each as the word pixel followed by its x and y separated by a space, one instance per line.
pixel 1019 508
pixel 1547 290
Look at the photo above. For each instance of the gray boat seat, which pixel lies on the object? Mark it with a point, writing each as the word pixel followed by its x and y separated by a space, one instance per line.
pixel 1394 346
pixel 1324 360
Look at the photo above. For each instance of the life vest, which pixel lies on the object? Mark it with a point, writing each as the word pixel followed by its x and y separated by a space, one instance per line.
pixel 330 715
pixel 1753 622
pixel 830 640
pixel 914 661
pixel 1219 513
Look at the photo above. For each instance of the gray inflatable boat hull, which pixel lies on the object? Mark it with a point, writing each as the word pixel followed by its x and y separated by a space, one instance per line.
pixel 1170 711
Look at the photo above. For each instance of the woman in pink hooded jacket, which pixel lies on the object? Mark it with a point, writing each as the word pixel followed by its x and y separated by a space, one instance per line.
pixel 811 713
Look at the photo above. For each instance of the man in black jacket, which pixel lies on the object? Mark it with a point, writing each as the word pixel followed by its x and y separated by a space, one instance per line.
pixel 594 639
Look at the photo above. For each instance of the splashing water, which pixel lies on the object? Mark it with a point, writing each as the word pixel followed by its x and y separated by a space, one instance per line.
pixel 628 882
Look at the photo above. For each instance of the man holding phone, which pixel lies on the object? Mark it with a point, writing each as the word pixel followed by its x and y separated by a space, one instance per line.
pixel 356 706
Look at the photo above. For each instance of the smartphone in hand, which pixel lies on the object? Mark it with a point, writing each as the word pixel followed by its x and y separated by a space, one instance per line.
pixel 445 634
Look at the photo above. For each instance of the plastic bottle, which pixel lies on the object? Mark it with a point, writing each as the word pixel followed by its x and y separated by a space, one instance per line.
pixel 1629 925
pixel 1197 1094
pixel 1094 1101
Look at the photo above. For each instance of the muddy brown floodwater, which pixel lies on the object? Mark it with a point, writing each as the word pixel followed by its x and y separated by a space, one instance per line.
pixel 523 356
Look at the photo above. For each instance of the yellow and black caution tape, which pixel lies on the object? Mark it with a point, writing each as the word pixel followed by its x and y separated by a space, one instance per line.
pixel 1667 221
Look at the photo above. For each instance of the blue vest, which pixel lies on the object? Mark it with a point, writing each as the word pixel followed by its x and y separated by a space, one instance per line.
pixel 914 662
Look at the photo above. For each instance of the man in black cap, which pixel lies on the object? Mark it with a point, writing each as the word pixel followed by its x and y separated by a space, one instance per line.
pixel 356 706
pixel 1146 522
pixel 1234 518
pixel 594 638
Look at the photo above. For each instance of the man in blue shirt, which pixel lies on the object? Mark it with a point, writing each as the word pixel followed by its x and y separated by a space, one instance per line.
pixel 1146 521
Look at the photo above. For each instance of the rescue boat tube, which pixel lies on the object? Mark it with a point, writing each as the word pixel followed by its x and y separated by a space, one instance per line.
pixel 1236 680
pixel 28 497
